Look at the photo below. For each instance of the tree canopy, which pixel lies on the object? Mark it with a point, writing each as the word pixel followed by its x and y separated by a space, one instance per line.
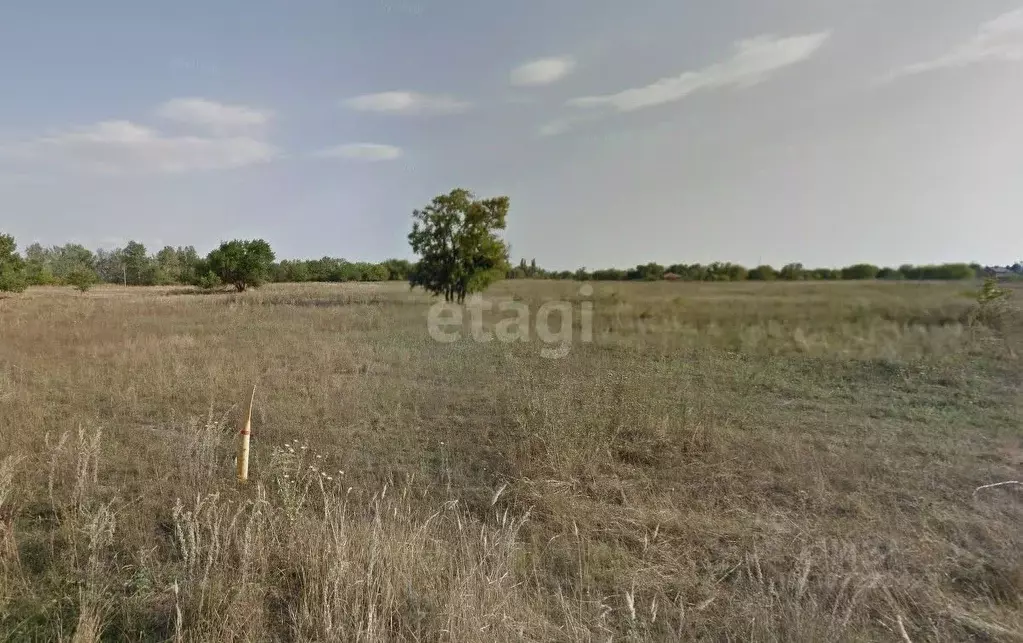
pixel 456 238
pixel 243 264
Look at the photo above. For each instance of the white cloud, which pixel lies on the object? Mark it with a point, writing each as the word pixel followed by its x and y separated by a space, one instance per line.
pixel 362 152
pixel 1000 39
pixel 124 147
pixel 213 116
pixel 407 103
pixel 542 72
pixel 562 125
pixel 754 61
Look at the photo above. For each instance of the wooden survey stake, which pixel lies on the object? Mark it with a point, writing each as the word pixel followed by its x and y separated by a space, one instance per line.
pixel 243 443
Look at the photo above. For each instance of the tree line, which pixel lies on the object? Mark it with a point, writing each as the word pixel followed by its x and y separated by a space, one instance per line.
pixel 455 237
pixel 719 271
pixel 243 264
pixel 238 263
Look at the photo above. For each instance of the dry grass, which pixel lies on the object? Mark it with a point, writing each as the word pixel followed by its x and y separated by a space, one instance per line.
pixel 790 462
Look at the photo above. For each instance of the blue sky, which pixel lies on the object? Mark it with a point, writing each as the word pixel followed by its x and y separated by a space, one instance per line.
pixel 737 130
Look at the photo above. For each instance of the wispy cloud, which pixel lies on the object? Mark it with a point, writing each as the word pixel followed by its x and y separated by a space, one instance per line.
pixel 753 62
pixel 213 116
pixel 562 125
pixel 361 152
pixel 124 147
pixel 407 103
pixel 542 72
pixel 1000 39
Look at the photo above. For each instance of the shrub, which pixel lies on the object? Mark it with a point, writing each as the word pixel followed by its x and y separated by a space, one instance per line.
pixel 208 281
pixel 81 278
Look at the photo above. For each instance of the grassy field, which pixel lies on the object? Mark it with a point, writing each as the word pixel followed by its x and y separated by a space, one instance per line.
pixel 769 462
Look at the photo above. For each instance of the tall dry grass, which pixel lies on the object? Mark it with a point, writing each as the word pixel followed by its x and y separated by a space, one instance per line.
pixel 723 462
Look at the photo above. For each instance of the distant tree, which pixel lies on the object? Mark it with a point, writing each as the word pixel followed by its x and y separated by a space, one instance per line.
pixel 397 269
pixel 581 274
pixel 890 274
pixel 72 259
pixel 39 266
pixel 189 261
pixel 243 264
pixel 292 271
pixel 947 272
pixel 646 272
pixel 456 238
pixel 373 272
pixel 693 272
pixel 763 273
pixel 736 272
pixel 110 266
pixel 12 266
pixel 140 269
pixel 609 274
pixel 167 266
pixel 792 272
pixel 860 271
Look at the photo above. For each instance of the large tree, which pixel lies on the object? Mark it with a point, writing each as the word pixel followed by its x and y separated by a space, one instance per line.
pixel 242 264
pixel 456 239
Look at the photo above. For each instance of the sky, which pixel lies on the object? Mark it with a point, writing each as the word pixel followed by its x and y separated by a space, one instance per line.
pixel 825 132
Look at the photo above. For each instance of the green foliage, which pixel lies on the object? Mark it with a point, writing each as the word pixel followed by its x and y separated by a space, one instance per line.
pixel 860 271
pixel 991 292
pixel 891 274
pixel 12 266
pixel 243 264
pixel 208 281
pixel 992 309
pixel 38 270
pixel 609 274
pixel 397 269
pixel 82 278
pixel 140 268
pixel 59 263
pixel 647 272
pixel 132 265
pixel 792 272
pixel 943 272
pixel 456 239
pixel 110 266
pixel 763 273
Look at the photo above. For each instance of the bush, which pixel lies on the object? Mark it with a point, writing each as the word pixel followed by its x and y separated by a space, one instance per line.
pixel 81 278
pixel 208 281
pixel 992 309
pixel 991 292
